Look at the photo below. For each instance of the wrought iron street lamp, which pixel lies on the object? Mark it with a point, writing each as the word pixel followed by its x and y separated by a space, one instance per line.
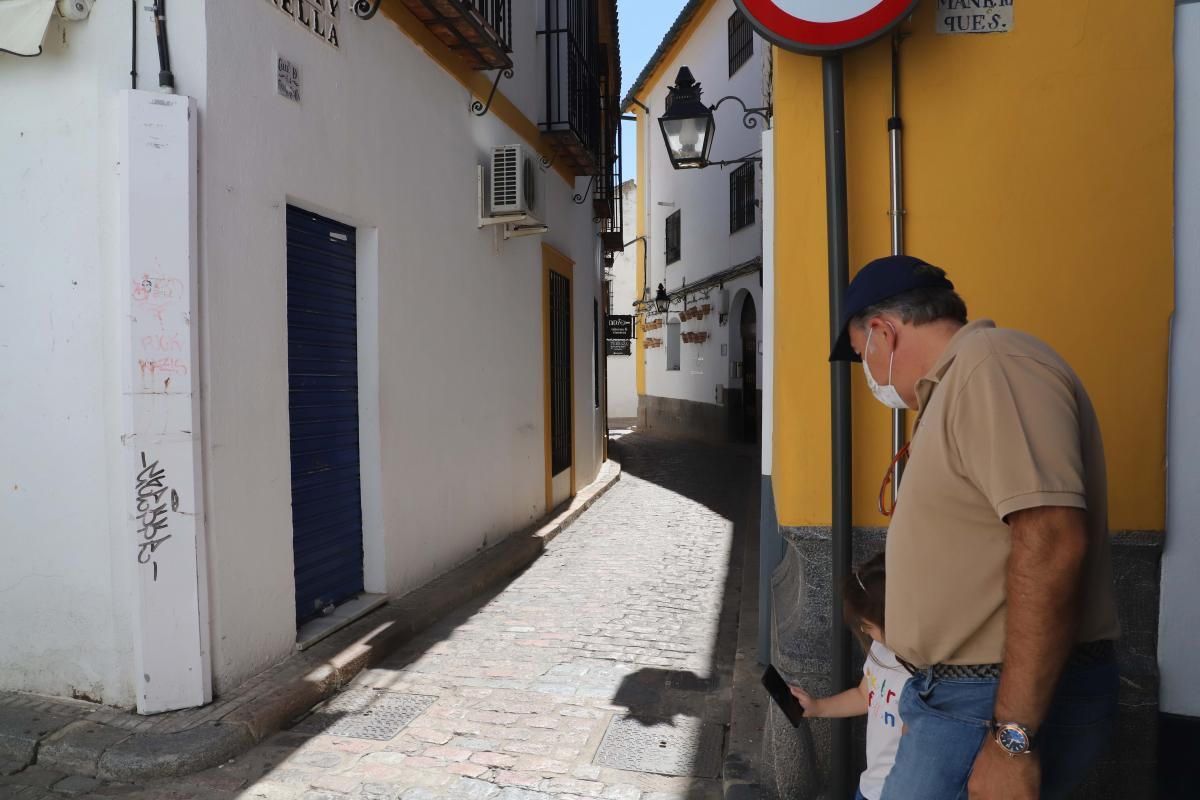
pixel 688 126
pixel 662 301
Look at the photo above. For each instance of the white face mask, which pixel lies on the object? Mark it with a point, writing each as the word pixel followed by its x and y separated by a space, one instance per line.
pixel 887 393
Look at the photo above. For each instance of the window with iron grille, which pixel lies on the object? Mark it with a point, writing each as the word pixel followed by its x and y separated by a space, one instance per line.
pixel 741 197
pixel 560 372
pixel 673 337
pixel 741 41
pixel 596 350
pixel 673 241
pixel 575 63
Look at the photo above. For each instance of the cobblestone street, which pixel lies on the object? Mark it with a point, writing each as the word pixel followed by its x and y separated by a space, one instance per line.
pixel 629 618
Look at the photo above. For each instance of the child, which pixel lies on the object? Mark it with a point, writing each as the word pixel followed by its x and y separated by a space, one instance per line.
pixel 878 696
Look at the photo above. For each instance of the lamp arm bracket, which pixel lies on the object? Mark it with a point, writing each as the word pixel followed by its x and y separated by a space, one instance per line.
pixel 748 114
pixel 747 160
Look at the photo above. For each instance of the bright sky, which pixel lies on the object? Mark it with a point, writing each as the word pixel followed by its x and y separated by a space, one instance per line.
pixel 643 25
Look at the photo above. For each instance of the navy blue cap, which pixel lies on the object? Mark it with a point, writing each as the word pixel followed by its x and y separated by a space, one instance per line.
pixel 880 280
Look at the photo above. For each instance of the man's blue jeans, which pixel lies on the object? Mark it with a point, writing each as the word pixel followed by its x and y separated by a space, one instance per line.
pixel 948 720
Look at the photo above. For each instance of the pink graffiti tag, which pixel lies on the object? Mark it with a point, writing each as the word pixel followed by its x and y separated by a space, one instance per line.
pixel 169 366
pixel 162 343
pixel 157 293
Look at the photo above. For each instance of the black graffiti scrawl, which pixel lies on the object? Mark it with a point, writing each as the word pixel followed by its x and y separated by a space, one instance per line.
pixel 155 499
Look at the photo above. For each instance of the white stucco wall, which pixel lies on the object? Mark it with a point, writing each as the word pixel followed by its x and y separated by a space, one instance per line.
pixel 622 372
pixel 707 246
pixel 1179 616
pixel 66 578
pixel 381 140
pixel 451 354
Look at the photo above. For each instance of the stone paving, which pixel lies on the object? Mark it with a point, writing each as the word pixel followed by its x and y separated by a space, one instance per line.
pixel 630 613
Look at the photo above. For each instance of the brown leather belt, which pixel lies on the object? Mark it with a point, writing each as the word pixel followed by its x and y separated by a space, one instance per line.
pixel 1082 655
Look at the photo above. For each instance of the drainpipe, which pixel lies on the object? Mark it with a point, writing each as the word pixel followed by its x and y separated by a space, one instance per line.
pixel 896 212
pixel 839 379
pixel 166 79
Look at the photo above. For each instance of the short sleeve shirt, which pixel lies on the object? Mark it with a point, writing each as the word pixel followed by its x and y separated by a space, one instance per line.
pixel 1004 425
pixel 885 680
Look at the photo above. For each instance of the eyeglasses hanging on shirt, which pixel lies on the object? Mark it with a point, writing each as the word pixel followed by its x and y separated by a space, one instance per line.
pixel 884 507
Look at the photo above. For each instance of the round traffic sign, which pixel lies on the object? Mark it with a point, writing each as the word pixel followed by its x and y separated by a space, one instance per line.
pixel 820 26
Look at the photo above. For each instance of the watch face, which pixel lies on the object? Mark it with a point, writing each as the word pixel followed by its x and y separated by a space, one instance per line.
pixel 1013 739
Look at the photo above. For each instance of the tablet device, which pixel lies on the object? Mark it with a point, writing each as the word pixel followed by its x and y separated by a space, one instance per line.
pixel 777 687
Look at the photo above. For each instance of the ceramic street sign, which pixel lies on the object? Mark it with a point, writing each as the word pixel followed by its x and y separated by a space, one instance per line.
pixel 974 16
pixel 822 26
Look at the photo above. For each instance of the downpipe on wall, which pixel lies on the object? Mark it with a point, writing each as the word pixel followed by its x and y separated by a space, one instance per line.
pixel 166 79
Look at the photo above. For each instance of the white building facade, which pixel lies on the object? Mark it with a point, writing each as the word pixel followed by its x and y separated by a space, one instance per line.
pixel 263 356
pixel 702 230
pixel 623 291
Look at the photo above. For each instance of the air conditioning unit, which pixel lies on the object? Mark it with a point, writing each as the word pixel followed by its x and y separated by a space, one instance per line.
pixel 513 181
pixel 512 192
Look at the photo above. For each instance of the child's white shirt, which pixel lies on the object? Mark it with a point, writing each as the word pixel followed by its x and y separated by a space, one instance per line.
pixel 885 680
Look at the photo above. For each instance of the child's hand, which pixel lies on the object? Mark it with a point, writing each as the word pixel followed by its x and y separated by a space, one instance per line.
pixel 810 704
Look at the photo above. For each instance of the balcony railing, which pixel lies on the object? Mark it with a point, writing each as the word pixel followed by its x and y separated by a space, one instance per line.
pixel 607 208
pixel 480 31
pixel 574 67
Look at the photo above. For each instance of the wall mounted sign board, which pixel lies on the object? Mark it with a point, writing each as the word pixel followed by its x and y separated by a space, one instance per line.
pixel 618 347
pixel 824 26
pixel 974 16
pixel 620 326
pixel 287 79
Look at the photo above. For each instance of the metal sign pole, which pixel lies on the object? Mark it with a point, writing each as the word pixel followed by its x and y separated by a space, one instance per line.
pixel 896 163
pixel 819 27
pixel 839 278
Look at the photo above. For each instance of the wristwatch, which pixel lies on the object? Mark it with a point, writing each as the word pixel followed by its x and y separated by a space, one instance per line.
pixel 1013 737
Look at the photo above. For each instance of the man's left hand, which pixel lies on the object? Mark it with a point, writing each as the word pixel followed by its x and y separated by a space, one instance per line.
pixel 999 776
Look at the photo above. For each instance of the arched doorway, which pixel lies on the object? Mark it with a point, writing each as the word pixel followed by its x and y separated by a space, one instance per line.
pixel 748 328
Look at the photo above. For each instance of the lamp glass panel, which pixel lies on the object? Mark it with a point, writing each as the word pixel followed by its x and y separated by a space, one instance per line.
pixel 687 137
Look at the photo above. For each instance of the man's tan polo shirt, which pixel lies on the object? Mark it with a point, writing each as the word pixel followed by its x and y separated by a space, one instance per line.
pixel 1004 425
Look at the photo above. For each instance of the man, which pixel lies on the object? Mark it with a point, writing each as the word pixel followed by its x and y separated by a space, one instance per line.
pixel 999 576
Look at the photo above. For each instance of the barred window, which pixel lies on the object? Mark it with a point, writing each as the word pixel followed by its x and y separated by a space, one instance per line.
pixel 673 337
pixel 741 41
pixel 741 197
pixel 673 241
pixel 596 350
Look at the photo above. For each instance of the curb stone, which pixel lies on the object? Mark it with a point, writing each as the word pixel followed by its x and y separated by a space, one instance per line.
pixel 108 752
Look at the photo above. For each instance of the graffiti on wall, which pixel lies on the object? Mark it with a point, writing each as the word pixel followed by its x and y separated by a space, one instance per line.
pixel 155 500
pixel 160 355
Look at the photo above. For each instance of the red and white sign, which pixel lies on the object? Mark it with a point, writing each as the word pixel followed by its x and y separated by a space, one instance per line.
pixel 821 26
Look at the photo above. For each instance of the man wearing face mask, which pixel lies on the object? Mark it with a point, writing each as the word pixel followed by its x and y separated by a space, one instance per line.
pixel 999 578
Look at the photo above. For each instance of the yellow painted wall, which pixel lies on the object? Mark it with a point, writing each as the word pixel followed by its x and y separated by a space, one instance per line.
pixel 1039 175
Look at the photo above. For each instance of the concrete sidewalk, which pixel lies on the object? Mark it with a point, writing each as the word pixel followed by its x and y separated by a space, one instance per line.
pixel 86 741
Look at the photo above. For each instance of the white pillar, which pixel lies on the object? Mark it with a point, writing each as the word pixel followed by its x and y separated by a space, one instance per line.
pixel 160 359
pixel 1179 612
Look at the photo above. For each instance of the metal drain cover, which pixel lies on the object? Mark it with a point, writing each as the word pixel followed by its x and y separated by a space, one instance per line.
pixel 365 714
pixel 688 747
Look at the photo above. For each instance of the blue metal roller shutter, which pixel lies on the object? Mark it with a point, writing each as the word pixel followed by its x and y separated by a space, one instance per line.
pixel 323 406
